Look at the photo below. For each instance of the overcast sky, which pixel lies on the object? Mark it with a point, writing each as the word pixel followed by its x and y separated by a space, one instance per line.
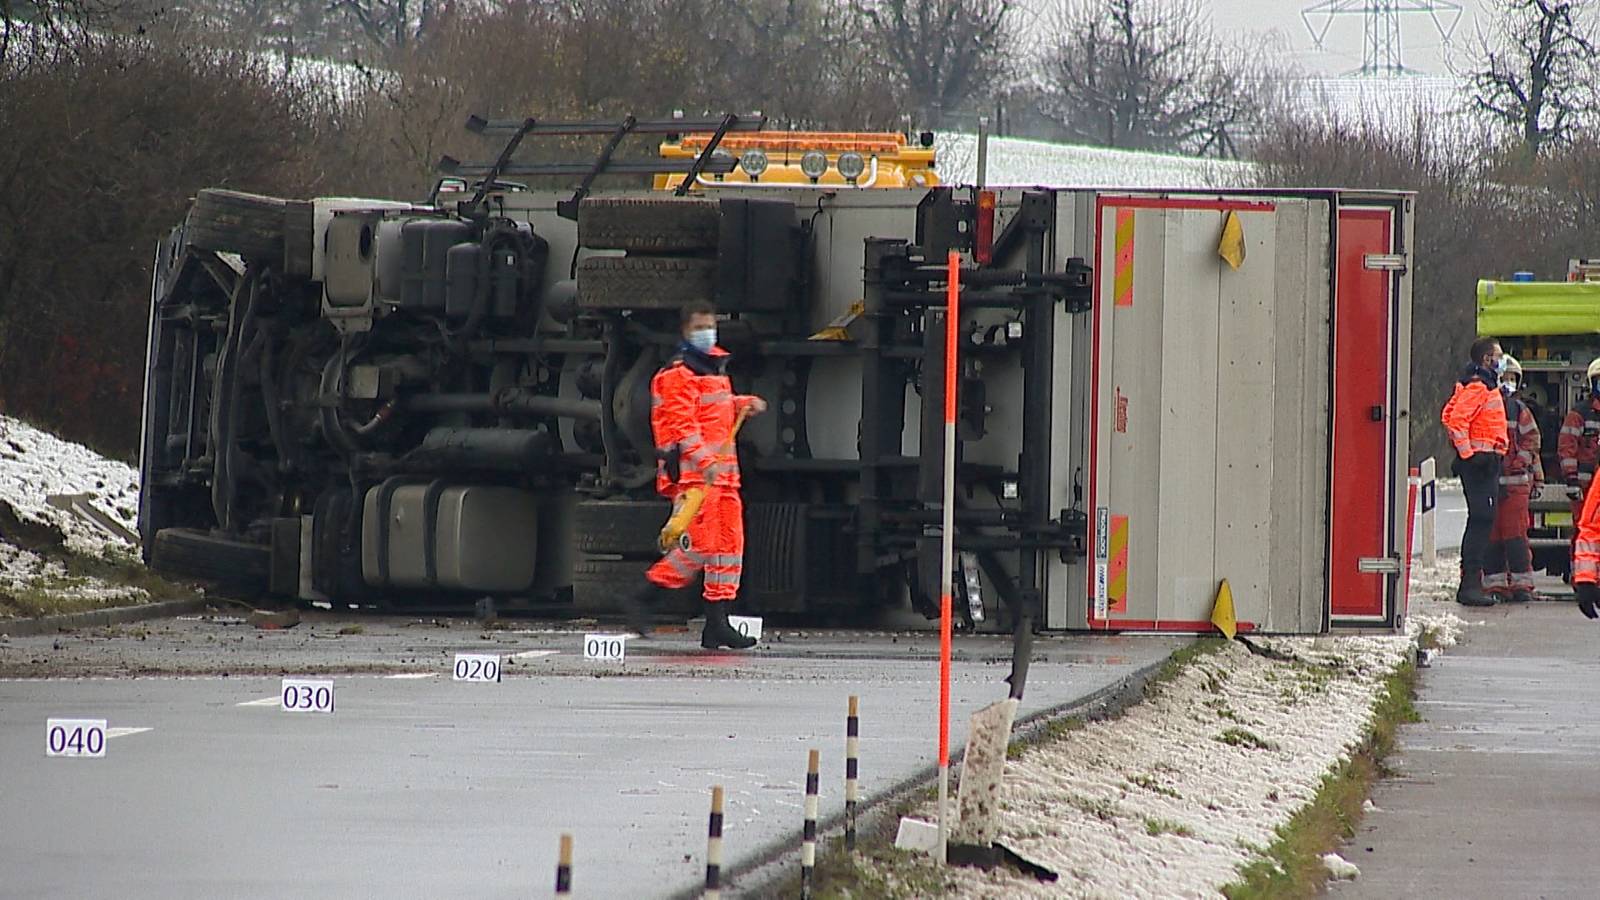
pixel 1280 20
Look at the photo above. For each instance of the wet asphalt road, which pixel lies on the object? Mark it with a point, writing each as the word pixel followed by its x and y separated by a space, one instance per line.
pixel 1497 795
pixel 424 787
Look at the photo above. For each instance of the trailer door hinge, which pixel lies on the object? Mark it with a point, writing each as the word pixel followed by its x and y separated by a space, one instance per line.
pixel 1385 262
pixel 1381 565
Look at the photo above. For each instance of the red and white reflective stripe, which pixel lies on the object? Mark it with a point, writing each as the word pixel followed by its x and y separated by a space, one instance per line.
pixel 1572 430
pixel 952 325
pixel 1519 478
pixel 1569 465
pixel 1520 581
pixel 1495 581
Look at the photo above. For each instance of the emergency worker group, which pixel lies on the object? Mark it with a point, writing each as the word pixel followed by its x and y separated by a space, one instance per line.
pixel 1497 445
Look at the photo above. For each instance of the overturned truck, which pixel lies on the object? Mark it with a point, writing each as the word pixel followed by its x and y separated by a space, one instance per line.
pixel 421 404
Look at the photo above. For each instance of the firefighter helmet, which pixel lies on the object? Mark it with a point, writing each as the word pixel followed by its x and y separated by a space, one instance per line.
pixel 1594 369
pixel 1509 365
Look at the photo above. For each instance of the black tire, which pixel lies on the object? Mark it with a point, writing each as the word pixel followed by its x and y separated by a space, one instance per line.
pixel 236 566
pixel 598 586
pixel 250 225
pixel 627 528
pixel 644 282
pixel 648 225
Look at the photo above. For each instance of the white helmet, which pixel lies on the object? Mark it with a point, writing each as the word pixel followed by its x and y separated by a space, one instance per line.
pixel 1594 368
pixel 1509 364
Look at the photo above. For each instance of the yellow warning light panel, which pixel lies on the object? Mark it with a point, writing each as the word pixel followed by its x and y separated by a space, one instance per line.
pixel 834 160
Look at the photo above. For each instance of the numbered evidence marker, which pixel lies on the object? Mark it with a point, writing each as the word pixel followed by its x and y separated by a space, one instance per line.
pixel 605 647
pixel 749 626
pixel 75 737
pixel 307 695
pixel 480 667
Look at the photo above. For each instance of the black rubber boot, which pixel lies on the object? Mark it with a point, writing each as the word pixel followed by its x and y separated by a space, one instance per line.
pixel 1471 592
pixel 718 633
pixel 636 606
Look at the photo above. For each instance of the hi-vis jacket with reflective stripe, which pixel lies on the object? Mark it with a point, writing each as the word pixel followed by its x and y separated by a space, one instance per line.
pixel 1578 447
pixel 1521 465
pixel 1475 417
pixel 692 414
pixel 1586 546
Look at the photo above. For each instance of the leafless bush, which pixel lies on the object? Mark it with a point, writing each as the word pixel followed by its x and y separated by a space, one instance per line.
pixel 1470 223
pixel 103 148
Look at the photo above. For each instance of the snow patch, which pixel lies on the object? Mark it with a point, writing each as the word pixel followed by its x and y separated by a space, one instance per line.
pixel 35 464
pixel 1340 869
pixel 23 572
pixel 1015 161
pixel 1191 785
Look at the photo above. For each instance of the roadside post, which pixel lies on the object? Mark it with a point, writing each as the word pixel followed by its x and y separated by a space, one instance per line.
pixel 852 737
pixel 952 322
pixel 714 847
pixel 808 841
pixel 564 867
pixel 1428 493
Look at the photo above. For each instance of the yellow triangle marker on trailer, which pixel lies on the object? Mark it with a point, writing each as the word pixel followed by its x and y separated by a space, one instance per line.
pixel 1222 611
pixel 1231 247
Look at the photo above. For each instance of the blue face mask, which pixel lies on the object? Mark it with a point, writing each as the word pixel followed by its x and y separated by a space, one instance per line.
pixel 703 339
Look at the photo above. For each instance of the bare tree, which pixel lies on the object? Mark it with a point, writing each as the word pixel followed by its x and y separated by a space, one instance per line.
pixel 1536 69
pixel 291 29
pixel 1148 75
pixel 942 53
pixel 390 25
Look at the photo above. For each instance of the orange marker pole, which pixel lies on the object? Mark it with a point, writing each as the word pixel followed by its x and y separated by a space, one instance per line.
pixel 952 321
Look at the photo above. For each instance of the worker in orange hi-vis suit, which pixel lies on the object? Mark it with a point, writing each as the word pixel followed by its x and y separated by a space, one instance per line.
pixel 1475 419
pixel 1578 446
pixel 1586 556
pixel 694 413
pixel 1508 567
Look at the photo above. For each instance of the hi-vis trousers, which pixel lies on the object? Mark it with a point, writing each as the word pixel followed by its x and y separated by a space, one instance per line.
pixel 716 546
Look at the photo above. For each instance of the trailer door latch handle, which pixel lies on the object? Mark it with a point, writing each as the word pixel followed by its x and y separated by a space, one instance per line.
pixel 1376 413
pixel 1378 565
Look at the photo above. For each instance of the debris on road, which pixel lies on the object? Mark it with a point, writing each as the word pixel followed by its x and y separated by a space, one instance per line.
pixel 1340 869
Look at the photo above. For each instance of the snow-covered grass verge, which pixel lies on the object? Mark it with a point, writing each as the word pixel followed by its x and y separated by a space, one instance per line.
pixel 52 559
pixel 1237 771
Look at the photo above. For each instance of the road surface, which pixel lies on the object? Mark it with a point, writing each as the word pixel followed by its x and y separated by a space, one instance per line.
pixel 425 787
pixel 1497 795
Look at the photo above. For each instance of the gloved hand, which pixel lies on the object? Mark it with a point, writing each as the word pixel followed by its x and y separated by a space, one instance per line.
pixel 684 509
pixel 1588 597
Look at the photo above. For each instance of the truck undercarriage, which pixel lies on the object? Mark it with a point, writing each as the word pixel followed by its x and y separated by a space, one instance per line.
pixel 392 404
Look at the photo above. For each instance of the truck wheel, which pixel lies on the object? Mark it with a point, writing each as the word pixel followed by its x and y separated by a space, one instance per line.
pixel 626 528
pixel 232 222
pixel 598 586
pixel 648 225
pixel 236 566
pixel 644 282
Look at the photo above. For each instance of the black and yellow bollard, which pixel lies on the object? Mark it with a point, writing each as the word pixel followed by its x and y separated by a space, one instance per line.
pixel 714 847
pixel 564 867
pixel 852 734
pixel 808 842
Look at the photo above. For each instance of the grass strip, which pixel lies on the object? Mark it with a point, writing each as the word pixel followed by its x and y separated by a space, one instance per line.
pixel 1292 867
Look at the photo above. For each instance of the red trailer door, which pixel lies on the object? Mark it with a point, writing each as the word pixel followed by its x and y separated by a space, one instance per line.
pixel 1365 353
